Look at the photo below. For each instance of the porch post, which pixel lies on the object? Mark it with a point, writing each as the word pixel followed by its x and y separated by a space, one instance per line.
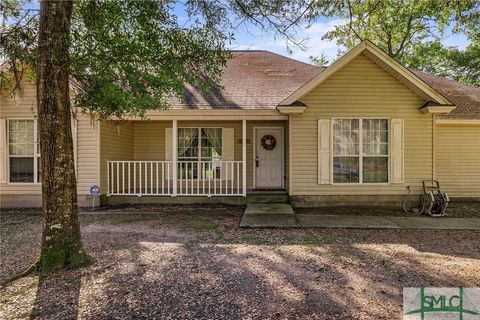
pixel 244 157
pixel 174 157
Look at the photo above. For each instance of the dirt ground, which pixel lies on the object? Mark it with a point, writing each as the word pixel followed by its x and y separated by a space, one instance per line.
pixel 455 209
pixel 190 262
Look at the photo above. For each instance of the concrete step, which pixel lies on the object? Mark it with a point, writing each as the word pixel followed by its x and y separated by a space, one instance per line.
pixel 268 208
pixel 274 215
pixel 267 198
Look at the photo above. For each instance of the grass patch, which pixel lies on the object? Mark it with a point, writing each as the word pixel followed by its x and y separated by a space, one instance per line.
pixel 328 239
pixel 197 224
pixel 288 239
pixel 309 239
pixel 252 239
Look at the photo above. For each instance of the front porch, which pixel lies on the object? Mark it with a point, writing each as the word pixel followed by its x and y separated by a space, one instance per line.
pixel 183 178
pixel 191 158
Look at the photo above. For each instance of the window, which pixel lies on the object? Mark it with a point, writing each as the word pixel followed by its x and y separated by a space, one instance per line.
pixel 23 151
pixel 360 150
pixel 198 144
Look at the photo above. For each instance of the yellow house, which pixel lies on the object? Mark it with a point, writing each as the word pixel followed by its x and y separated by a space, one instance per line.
pixel 360 131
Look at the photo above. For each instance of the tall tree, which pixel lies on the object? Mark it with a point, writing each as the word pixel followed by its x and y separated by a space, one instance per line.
pixel 124 57
pixel 61 240
pixel 411 32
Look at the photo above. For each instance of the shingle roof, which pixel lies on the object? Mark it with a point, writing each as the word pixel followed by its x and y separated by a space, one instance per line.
pixel 253 80
pixel 260 79
pixel 465 97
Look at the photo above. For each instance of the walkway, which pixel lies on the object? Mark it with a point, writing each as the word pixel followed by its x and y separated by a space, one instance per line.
pixel 290 220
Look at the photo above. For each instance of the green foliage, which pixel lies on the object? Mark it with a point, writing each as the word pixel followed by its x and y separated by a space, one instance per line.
pixel 131 56
pixel 321 61
pixel 411 31
pixel 450 62
pixel 62 254
pixel 17 43
pixel 126 56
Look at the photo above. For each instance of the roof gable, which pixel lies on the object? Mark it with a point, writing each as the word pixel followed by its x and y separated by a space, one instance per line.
pixel 382 60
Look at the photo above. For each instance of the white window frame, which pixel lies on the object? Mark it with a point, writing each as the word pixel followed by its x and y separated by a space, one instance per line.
pixel 199 147
pixel 36 153
pixel 360 151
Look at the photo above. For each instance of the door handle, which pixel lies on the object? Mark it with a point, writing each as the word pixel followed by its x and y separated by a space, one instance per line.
pixel 256 161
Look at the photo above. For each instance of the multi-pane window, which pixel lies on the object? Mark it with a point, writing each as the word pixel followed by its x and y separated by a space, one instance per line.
pixel 375 150
pixel 23 151
pixel 198 144
pixel 360 150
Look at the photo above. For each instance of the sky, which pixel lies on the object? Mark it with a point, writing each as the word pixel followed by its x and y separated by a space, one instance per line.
pixel 251 38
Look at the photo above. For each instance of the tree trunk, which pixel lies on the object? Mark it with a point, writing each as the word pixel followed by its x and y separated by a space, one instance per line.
pixel 61 239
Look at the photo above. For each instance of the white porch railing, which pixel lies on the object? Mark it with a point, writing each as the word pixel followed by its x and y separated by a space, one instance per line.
pixel 135 178
pixel 193 178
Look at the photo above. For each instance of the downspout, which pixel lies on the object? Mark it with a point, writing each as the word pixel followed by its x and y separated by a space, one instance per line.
pixel 290 121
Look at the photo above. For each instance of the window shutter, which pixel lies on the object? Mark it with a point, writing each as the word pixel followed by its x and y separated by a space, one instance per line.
pixel 324 166
pixel 168 148
pixel 397 153
pixel 228 153
pixel 3 150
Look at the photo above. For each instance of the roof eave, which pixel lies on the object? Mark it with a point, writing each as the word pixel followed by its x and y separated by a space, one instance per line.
pixel 291 109
pixel 439 109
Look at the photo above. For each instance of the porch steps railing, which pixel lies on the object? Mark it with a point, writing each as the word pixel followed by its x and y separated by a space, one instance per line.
pixel 193 178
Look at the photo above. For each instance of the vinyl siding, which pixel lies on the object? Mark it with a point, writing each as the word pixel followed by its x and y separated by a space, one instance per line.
pixel 458 159
pixel 22 105
pixel 116 143
pixel 149 139
pixel 360 89
pixel 87 153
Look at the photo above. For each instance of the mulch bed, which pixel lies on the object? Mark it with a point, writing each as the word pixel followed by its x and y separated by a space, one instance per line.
pixel 192 262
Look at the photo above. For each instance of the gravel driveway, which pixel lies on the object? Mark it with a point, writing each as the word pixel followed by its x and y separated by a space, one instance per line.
pixel 191 262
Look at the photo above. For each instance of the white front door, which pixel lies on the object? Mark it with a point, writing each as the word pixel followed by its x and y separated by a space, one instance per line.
pixel 269 158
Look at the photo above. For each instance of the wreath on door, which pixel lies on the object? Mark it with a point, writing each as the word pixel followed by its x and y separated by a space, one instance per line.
pixel 268 142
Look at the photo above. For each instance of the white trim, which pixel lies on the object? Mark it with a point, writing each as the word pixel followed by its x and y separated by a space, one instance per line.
pixel 244 157
pixel 360 155
pixel 74 122
pixel 291 109
pixel 199 157
pixel 35 154
pixel 255 154
pixel 438 109
pixel 457 121
pixel 3 150
pixel 174 157
pixel 216 114
pixel 290 160
pixel 99 157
